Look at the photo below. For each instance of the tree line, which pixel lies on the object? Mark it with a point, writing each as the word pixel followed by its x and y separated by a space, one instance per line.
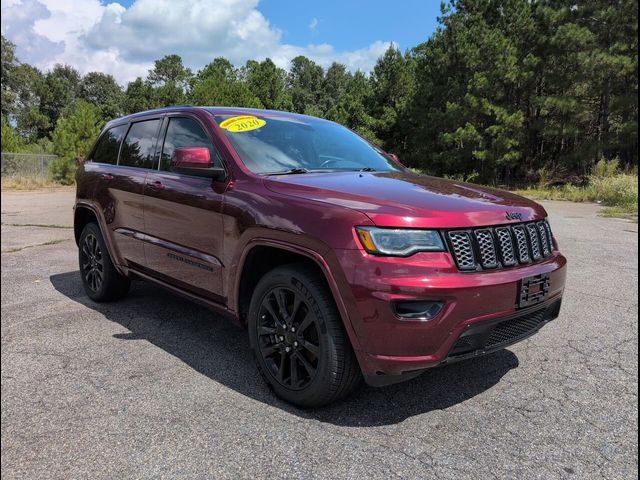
pixel 504 91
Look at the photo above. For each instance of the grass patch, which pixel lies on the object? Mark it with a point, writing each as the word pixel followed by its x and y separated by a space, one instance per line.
pixel 620 212
pixel 618 192
pixel 28 183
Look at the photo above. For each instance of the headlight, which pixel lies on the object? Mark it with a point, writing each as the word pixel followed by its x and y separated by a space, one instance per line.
pixel 399 242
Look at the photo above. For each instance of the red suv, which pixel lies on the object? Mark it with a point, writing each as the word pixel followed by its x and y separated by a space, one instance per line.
pixel 339 261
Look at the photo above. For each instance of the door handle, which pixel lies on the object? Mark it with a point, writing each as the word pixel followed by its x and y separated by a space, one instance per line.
pixel 107 176
pixel 157 185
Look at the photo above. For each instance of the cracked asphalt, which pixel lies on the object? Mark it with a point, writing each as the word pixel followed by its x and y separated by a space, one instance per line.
pixel 156 387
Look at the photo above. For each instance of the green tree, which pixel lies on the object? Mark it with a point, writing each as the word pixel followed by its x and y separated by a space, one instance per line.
pixel 169 69
pixel 58 92
pixel 75 132
pixel 170 79
pixel 219 83
pixel 170 93
pixel 355 102
pixel 11 142
pixel 393 83
pixel 267 83
pixel 32 124
pixel 305 85
pixel 472 77
pixel 9 64
pixel 102 91
pixel 22 86
pixel 139 96
pixel 334 88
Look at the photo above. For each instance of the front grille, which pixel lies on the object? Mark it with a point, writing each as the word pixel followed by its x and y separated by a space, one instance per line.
pixel 502 246
pixel 488 336
pixel 510 330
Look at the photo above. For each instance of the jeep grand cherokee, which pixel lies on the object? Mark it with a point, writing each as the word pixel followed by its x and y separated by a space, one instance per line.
pixel 340 262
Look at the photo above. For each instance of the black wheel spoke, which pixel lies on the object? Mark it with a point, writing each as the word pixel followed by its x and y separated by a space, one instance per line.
pixel 274 316
pixel 305 363
pixel 293 364
pixel 269 350
pixel 314 349
pixel 308 319
pixel 288 345
pixel 279 294
pixel 265 330
pixel 281 368
pixel 297 301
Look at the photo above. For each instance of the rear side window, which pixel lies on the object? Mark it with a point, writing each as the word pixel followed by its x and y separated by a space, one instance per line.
pixel 185 132
pixel 138 149
pixel 106 150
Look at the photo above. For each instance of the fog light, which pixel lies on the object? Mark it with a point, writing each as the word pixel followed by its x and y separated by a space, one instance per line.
pixel 417 309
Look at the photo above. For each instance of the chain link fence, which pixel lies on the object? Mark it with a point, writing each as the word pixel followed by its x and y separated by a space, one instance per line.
pixel 25 165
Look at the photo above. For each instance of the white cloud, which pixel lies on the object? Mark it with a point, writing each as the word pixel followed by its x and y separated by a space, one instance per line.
pixel 314 24
pixel 122 41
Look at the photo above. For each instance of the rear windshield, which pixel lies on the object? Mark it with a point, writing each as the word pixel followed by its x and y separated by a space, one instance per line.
pixel 273 144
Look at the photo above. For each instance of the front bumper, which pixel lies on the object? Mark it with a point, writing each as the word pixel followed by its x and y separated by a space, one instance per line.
pixel 391 349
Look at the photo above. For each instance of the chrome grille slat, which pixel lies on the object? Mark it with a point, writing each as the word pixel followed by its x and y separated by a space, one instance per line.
pixel 501 246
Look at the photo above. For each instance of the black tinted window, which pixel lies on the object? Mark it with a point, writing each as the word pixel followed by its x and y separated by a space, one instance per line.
pixel 107 148
pixel 139 147
pixel 184 132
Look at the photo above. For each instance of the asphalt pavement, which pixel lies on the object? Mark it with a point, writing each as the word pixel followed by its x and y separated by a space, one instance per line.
pixel 156 387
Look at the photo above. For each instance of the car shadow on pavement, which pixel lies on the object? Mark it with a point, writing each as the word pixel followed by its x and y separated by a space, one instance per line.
pixel 218 349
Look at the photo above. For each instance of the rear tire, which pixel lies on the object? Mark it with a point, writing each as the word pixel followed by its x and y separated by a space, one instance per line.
pixel 298 339
pixel 100 279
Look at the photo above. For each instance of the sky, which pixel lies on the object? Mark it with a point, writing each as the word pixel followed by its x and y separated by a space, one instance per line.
pixel 123 38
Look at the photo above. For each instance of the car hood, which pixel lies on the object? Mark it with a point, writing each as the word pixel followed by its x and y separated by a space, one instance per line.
pixel 404 199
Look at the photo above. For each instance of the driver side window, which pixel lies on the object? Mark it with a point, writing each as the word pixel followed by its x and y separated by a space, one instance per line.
pixel 185 132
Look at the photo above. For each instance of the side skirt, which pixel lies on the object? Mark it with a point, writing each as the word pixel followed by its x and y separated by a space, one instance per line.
pixel 211 305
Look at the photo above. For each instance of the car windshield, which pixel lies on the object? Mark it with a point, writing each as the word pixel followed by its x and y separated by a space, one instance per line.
pixel 271 144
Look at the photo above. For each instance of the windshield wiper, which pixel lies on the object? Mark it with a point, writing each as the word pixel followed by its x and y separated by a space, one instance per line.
pixel 367 169
pixel 291 171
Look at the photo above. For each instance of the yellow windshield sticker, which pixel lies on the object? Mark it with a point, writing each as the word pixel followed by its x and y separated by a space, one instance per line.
pixel 242 123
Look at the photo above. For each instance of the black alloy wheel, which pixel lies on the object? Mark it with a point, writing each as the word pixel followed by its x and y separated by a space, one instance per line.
pixel 298 339
pixel 288 338
pixel 101 281
pixel 92 262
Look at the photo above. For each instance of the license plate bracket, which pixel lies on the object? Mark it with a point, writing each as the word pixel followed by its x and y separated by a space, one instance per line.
pixel 534 290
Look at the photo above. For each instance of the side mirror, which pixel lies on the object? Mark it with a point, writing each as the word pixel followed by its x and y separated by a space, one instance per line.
pixel 194 161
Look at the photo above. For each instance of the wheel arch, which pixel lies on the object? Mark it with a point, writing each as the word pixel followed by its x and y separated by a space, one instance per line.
pixel 85 213
pixel 252 266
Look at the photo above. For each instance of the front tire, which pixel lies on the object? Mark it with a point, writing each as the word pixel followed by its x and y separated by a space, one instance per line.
pixel 100 279
pixel 298 340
